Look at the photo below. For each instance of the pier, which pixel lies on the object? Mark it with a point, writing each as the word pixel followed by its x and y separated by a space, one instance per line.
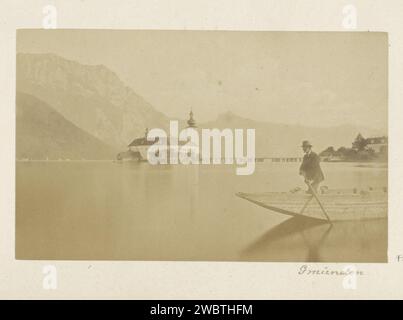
pixel 279 159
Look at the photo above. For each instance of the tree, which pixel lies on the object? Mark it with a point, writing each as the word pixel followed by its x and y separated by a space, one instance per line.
pixel 360 143
pixel 327 152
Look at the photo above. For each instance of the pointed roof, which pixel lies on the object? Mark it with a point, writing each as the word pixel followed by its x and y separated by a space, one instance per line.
pixel 191 122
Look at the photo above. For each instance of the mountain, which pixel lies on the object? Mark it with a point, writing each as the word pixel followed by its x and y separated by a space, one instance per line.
pixel 90 96
pixel 43 133
pixel 94 99
pixel 282 140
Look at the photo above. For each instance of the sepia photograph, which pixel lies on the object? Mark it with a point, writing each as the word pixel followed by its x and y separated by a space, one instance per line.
pixel 162 145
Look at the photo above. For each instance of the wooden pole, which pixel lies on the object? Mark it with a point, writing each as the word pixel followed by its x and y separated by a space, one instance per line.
pixel 319 202
pixel 305 205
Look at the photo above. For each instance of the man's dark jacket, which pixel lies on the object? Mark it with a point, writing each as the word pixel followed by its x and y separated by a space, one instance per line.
pixel 310 165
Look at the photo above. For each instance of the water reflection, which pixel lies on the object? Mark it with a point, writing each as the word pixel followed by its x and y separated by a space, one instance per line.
pixel 314 247
pixel 314 240
pixel 134 211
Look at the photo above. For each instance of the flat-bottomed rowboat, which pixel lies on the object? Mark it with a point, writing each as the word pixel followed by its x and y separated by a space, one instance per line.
pixel 340 204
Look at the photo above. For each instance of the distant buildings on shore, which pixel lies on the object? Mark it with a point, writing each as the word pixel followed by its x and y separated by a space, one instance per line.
pixel 363 149
pixel 378 144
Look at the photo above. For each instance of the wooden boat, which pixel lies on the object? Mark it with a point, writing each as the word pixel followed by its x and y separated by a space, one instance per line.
pixel 339 204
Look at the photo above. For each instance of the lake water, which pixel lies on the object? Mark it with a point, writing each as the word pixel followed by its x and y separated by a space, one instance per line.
pixel 134 211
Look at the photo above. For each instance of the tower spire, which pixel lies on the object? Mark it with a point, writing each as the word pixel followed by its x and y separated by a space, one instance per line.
pixel 191 122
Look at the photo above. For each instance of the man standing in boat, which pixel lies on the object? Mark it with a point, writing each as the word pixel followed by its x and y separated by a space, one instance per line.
pixel 310 167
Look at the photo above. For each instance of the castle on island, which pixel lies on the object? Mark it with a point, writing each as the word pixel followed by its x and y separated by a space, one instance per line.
pixel 137 149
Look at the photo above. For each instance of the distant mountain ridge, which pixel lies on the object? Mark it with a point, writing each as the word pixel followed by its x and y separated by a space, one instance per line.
pixel 94 100
pixel 42 133
pixel 283 140
pixel 90 96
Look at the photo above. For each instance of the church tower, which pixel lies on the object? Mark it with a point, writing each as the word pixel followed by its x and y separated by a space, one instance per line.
pixel 191 122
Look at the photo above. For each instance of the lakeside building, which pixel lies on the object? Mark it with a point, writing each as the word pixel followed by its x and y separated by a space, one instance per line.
pixel 378 144
pixel 363 149
pixel 138 148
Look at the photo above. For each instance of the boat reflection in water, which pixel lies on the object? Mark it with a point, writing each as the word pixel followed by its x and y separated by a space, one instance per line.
pixel 313 240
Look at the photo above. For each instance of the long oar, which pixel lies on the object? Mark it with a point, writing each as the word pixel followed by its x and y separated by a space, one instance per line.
pixel 305 205
pixel 319 202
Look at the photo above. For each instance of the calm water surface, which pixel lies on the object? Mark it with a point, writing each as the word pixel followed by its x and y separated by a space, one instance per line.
pixel 135 211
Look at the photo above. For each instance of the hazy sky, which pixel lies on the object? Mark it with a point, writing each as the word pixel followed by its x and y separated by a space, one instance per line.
pixel 315 78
